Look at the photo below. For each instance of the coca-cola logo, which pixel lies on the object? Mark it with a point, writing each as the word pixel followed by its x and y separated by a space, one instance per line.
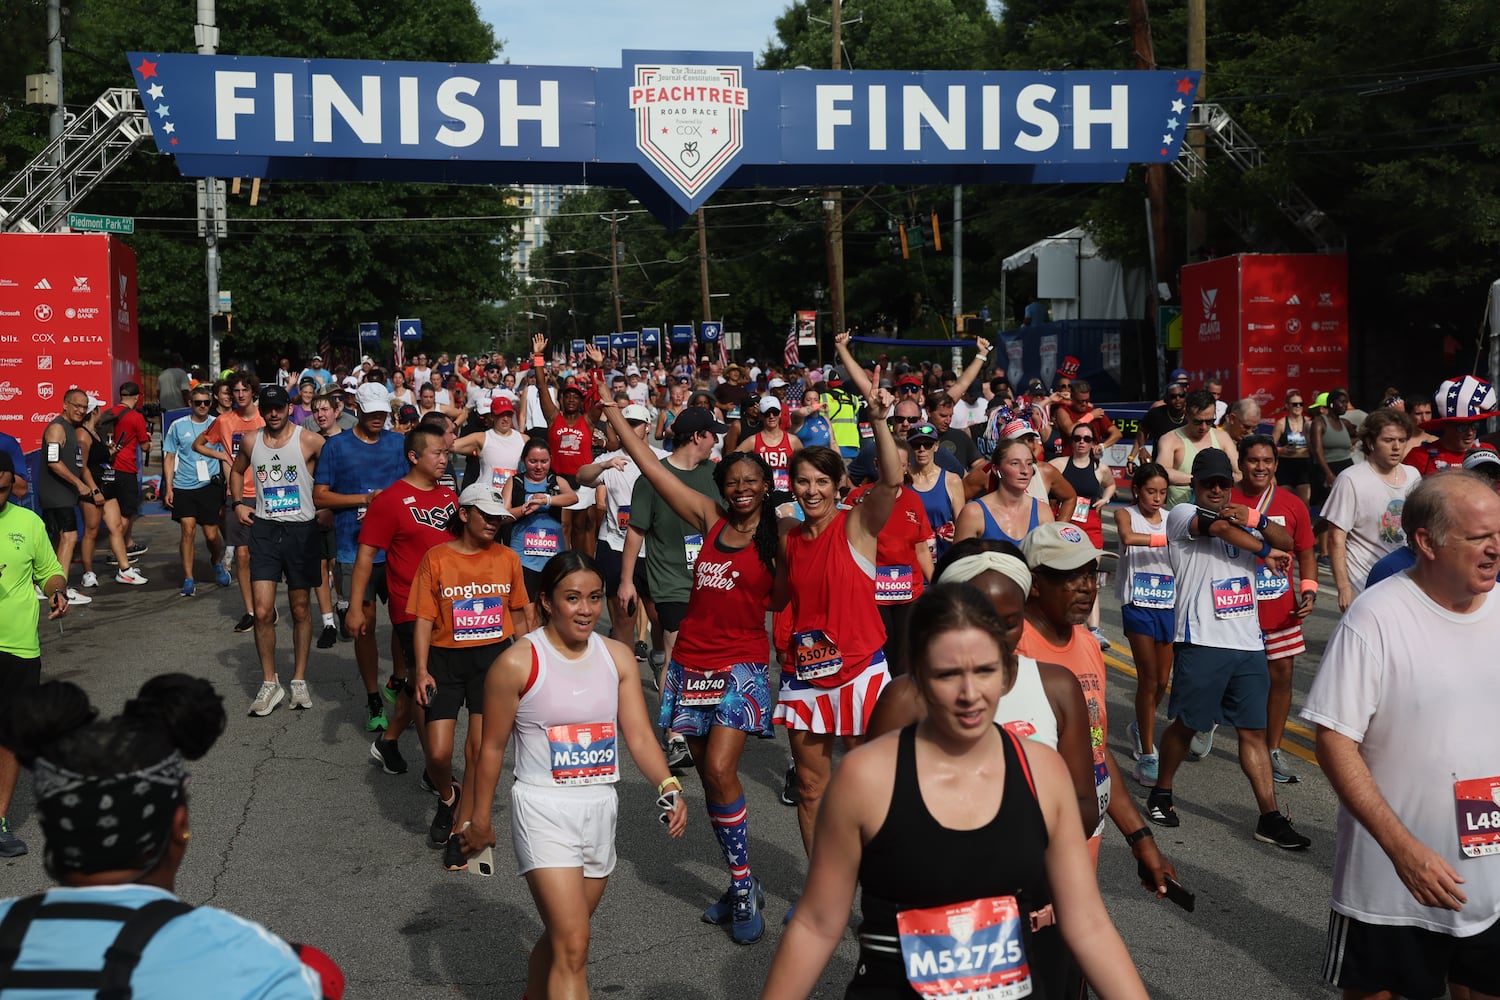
pixel 42 418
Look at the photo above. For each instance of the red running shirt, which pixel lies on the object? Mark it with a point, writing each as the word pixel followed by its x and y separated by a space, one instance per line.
pixel 725 622
pixel 833 594
pixel 898 578
pixel 778 457
pixel 405 522
pixel 572 444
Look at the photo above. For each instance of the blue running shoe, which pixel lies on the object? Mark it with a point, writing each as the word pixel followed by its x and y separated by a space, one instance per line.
pixel 721 911
pixel 222 577
pixel 187 587
pixel 748 925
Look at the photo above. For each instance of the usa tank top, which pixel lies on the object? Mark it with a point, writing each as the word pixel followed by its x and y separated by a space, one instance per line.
pixel 778 457
pixel 565 730
pixel 992 527
pixel 915 863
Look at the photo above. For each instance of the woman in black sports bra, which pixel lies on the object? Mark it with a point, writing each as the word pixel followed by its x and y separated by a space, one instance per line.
pixel 997 825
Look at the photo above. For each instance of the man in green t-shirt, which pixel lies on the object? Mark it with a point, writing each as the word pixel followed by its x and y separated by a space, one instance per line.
pixel 26 562
pixel 674 543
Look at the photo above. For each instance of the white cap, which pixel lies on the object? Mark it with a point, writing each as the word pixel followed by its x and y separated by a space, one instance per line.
pixel 635 411
pixel 483 497
pixel 365 359
pixel 95 403
pixel 632 370
pixel 351 383
pixel 769 403
pixel 372 397
pixel 776 383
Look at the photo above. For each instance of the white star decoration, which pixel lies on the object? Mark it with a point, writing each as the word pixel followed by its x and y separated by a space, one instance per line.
pixel 162 110
pixel 169 128
pixel 155 91
pixel 1166 139
pixel 1178 107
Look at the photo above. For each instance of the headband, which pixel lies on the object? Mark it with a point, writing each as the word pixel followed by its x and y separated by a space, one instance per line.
pixel 965 569
pixel 99 823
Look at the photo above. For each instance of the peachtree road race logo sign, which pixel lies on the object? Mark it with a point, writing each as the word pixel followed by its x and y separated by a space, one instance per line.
pixel 688 120
pixel 672 127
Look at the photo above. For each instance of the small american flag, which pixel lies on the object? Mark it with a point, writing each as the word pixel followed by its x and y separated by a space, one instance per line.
pixel 723 354
pixel 789 354
pixel 398 352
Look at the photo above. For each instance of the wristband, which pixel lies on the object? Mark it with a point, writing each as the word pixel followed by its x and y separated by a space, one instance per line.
pixel 669 782
pixel 1158 542
pixel 1309 586
pixel 1135 838
pixel 1265 549
pixel 1254 519
pixel 1206 518
pixel 538 361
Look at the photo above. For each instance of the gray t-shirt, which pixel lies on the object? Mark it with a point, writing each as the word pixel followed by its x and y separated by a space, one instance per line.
pixel 172 387
pixel 1215 586
pixel 672 544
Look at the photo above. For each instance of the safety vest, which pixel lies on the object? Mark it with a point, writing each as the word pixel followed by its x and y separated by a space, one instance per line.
pixel 843 417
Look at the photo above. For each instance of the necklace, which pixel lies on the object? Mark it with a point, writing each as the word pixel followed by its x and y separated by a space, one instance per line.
pixel 1178 421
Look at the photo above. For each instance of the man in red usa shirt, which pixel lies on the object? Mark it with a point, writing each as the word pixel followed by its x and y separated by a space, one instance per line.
pixel 404 520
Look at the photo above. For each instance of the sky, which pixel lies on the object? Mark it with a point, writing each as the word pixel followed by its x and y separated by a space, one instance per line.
pixel 593 32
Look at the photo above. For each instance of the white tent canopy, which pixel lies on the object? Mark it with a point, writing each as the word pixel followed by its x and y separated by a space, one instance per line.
pixel 1077 282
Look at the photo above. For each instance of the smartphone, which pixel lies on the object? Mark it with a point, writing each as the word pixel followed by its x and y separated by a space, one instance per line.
pixel 630 608
pixel 483 863
pixel 1175 891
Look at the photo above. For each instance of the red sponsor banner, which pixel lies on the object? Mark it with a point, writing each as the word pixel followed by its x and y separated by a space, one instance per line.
pixel 67 319
pixel 1284 326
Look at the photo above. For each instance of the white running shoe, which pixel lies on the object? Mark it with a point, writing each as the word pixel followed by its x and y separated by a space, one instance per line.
pixel 90 580
pixel 300 697
pixel 271 694
pixel 74 597
pixel 130 576
pixel 1202 743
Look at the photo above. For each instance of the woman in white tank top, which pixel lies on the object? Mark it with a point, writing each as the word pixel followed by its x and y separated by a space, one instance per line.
pixel 566 695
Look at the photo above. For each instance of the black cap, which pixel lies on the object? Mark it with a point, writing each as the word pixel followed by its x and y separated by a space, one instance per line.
pixel 407 414
pixel 274 397
pixel 1212 463
pixel 7 464
pixel 694 419
pixel 922 432
pixel 130 389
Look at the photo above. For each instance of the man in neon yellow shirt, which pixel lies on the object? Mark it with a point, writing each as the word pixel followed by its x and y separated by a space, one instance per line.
pixel 26 561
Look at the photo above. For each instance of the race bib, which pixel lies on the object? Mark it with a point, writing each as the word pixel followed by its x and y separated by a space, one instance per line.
pixel 1101 789
pixel 1296 439
pixel 202 467
pixel 1233 598
pixel 1153 590
pixel 893 584
pixel 1478 804
pixel 1081 511
pixel 281 500
pixel 583 754
pixel 1270 585
pixel 234 445
pixel 781 479
pixel 481 619
pixel 703 688
pixel 541 540
pixel 499 477
pixel 972 950
pixel 691 546
pixel 814 655
pixel 622 516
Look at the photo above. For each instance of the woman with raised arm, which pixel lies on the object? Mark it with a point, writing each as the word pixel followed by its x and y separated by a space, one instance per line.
pixel 716 692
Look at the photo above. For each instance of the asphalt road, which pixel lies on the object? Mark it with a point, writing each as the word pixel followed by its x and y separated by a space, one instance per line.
pixel 296 827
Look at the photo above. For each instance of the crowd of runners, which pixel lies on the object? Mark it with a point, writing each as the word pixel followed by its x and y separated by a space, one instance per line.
pixel 890 560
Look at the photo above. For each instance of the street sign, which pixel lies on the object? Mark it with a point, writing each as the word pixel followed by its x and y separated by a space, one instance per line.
pixel 731 340
pixel 370 332
pixel 682 334
pixel 226 301
pixel 651 336
pixel 86 223
pixel 710 332
pixel 411 329
pixel 578 346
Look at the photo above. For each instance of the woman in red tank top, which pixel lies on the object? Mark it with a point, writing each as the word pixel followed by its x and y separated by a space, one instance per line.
pixel 715 691
pixel 827 569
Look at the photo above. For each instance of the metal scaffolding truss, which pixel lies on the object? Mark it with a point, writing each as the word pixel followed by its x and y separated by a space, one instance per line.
pixel 39 198
pixel 1237 145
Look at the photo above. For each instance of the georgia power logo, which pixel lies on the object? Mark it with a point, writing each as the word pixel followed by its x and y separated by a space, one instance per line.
pixel 689 120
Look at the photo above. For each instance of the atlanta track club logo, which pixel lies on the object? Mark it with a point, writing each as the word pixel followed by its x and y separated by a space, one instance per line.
pixel 689 120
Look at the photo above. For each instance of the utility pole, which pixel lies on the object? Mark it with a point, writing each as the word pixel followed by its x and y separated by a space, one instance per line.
pixel 206 34
pixel 703 268
pixel 833 202
pixel 614 267
pixel 56 122
pixel 1163 266
pixel 1197 58
pixel 958 270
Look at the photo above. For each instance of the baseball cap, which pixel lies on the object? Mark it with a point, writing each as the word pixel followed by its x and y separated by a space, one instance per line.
pixel 769 404
pixel 572 387
pixel 7 464
pixel 273 397
pixel 636 413
pixel 351 383
pixel 317 357
pixel 407 414
pixel 307 380
pixel 500 404
pixel 776 383
pixel 1014 430
pixel 1485 459
pixel 95 403
pixel 1320 400
pixel 694 419
pixel 908 380
pixel 1178 375
pixel 632 370
pixel 1059 546
pixel 922 432
pixel 1037 387
pixel 372 398
pixel 481 496
pixel 1212 463
pixel 129 389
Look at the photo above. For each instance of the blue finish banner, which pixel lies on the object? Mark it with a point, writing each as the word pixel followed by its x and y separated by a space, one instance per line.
pixel 682 334
pixel 673 127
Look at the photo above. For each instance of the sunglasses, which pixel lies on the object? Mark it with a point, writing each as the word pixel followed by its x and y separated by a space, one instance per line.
pixel 924 443
pixel 1202 423
pixel 1083 437
pixel 203 402
pixel 1295 402
pixel 1175 395
pixel 902 420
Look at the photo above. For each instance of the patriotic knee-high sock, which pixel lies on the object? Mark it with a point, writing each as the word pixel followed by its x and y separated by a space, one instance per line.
pixel 729 826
